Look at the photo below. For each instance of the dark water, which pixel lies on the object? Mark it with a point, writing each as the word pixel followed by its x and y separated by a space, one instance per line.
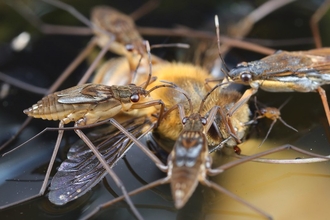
pixel 283 191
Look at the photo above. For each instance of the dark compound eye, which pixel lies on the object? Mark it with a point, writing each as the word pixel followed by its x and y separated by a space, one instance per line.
pixel 184 120
pixel 263 111
pixel 246 77
pixel 135 98
pixel 129 47
pixel 204 121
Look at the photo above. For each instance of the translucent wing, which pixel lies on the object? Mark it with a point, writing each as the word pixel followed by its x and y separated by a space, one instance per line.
pixel 82 170
pixel 86 93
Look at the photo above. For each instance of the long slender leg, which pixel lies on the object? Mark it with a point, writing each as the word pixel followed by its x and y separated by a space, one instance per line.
pixel 134 192
pixel 73 65
pixel 255 157
pixel 23 85
pixel 325 102
pixel 28 14
pixel 244 99
pixel 319 13
pixel 99 157
pixel 150 104
pixel 55 86
pixel 235 197
pixel 109 170
pixel 95 62
pixel 155 159
pixel 244 26
pixel 144 9
pixel 49 169
pixel 268 132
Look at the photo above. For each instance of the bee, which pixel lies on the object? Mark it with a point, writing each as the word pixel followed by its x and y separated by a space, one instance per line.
pixel 191 79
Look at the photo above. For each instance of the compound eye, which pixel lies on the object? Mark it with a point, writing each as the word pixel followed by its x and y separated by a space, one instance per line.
pixel 204 121
pixel 263 111
pixel 184 120
pixel 135 98
pixel 246 77
pixel 129 47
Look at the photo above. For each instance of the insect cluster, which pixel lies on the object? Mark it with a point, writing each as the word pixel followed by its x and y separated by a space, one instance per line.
pixel 146 113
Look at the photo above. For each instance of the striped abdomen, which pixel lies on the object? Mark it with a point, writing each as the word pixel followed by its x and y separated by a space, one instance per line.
pixel 183 183
pixel 48 108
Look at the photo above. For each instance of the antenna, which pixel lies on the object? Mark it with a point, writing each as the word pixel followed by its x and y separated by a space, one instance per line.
pixel 217 29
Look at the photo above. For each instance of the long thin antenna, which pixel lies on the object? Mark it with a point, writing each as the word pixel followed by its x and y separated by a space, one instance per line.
pixel 150 64
pixel 208 94
pixel 217 29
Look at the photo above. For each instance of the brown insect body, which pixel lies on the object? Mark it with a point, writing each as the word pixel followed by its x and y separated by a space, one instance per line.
pixel 270 112
pixel 117 71
pixel 90 102
pixel 128 42
pixel 187 162
pixel 302 71
pixel 119 24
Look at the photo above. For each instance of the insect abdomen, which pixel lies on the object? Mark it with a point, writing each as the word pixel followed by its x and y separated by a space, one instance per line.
pixel 48 108
pixel 183 184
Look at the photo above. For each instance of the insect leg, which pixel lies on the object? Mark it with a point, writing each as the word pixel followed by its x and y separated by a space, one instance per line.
pixel 235 197
pixel 134 192
pixel 109 170
pixel 324 102
pixel 73 65
pixel 23 85
pixel 229 127
pixel 244 99
pixel 256 157
pixel 49 169
pixel 272 113
pixel 244 26
pixel 268 132
pixel 55 86
pixel 155 159
pixel 34 20
pixel 315 158
pixel 57 83
pixel 316 17
pixel 95 62
pixel 144 9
